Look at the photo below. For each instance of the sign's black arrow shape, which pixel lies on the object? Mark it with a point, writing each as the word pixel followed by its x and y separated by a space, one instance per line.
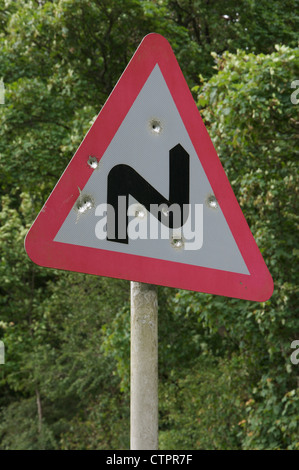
pixel 124 180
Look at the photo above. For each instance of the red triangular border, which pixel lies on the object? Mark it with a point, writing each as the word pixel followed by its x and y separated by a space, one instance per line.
pixel 39 244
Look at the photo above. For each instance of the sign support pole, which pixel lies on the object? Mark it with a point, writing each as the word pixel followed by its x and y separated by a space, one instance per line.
pixel 144 366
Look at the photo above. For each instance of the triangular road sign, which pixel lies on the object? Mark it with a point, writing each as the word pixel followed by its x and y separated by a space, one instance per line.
pixel 149 148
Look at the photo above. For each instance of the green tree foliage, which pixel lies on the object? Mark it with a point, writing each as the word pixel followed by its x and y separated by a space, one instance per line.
pixel 226 379
pixel 255 26
pixel 254 126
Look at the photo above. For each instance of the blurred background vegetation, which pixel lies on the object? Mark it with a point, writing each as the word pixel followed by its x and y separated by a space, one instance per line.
pixel 225 376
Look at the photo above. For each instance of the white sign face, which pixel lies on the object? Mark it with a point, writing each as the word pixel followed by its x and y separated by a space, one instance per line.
pixel 151 128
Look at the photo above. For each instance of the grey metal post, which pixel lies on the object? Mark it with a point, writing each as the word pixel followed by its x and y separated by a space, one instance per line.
pixel 144 366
